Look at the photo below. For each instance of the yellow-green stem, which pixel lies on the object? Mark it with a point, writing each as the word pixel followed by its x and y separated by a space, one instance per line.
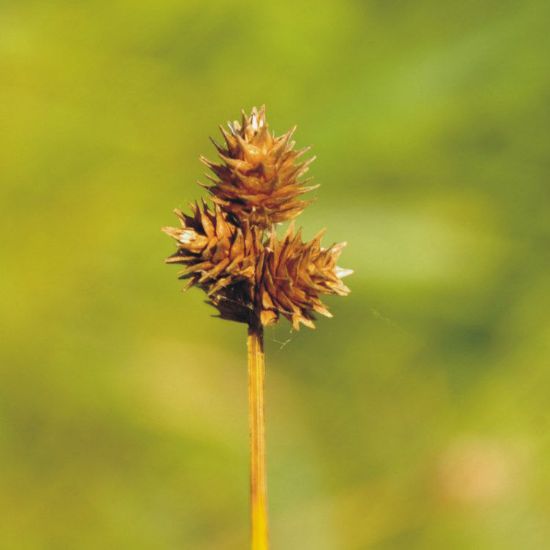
pixel 258 482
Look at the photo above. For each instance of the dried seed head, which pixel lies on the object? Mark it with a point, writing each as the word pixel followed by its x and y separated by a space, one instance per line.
pixel 291 277
pixel 259 177
pixel 232 253
pixel 215 251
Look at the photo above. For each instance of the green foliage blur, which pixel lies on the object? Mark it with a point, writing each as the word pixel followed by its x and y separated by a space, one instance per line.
pixel 418 417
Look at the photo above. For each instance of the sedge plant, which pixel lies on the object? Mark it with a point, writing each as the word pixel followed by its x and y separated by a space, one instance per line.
pixel 229 248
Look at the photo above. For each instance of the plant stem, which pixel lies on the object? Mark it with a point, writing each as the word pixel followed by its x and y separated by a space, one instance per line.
pixel 258 483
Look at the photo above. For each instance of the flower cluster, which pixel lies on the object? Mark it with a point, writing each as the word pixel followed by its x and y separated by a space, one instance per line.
pixel 231 250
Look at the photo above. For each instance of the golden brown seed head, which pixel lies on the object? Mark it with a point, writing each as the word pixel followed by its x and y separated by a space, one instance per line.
pixel 231 251
pixel 215 251
pixel 259 178
pixel 291 277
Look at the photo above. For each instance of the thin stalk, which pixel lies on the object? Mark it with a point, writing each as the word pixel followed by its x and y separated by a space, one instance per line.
pixel 258 482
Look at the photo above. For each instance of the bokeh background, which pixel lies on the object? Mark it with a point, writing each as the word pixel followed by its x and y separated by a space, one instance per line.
pixel 417 418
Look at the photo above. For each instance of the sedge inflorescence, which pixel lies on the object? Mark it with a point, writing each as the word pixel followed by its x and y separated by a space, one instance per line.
pixel 231 249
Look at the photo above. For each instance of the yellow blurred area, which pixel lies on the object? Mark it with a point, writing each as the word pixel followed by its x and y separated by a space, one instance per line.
pixel 417 418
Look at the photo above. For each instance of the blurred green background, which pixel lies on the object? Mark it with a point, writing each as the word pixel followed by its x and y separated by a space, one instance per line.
pixel 417 418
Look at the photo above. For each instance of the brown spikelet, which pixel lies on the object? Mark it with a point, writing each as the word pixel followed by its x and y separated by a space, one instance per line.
pixel 291 277
pixel 219 256
pixel 259 177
